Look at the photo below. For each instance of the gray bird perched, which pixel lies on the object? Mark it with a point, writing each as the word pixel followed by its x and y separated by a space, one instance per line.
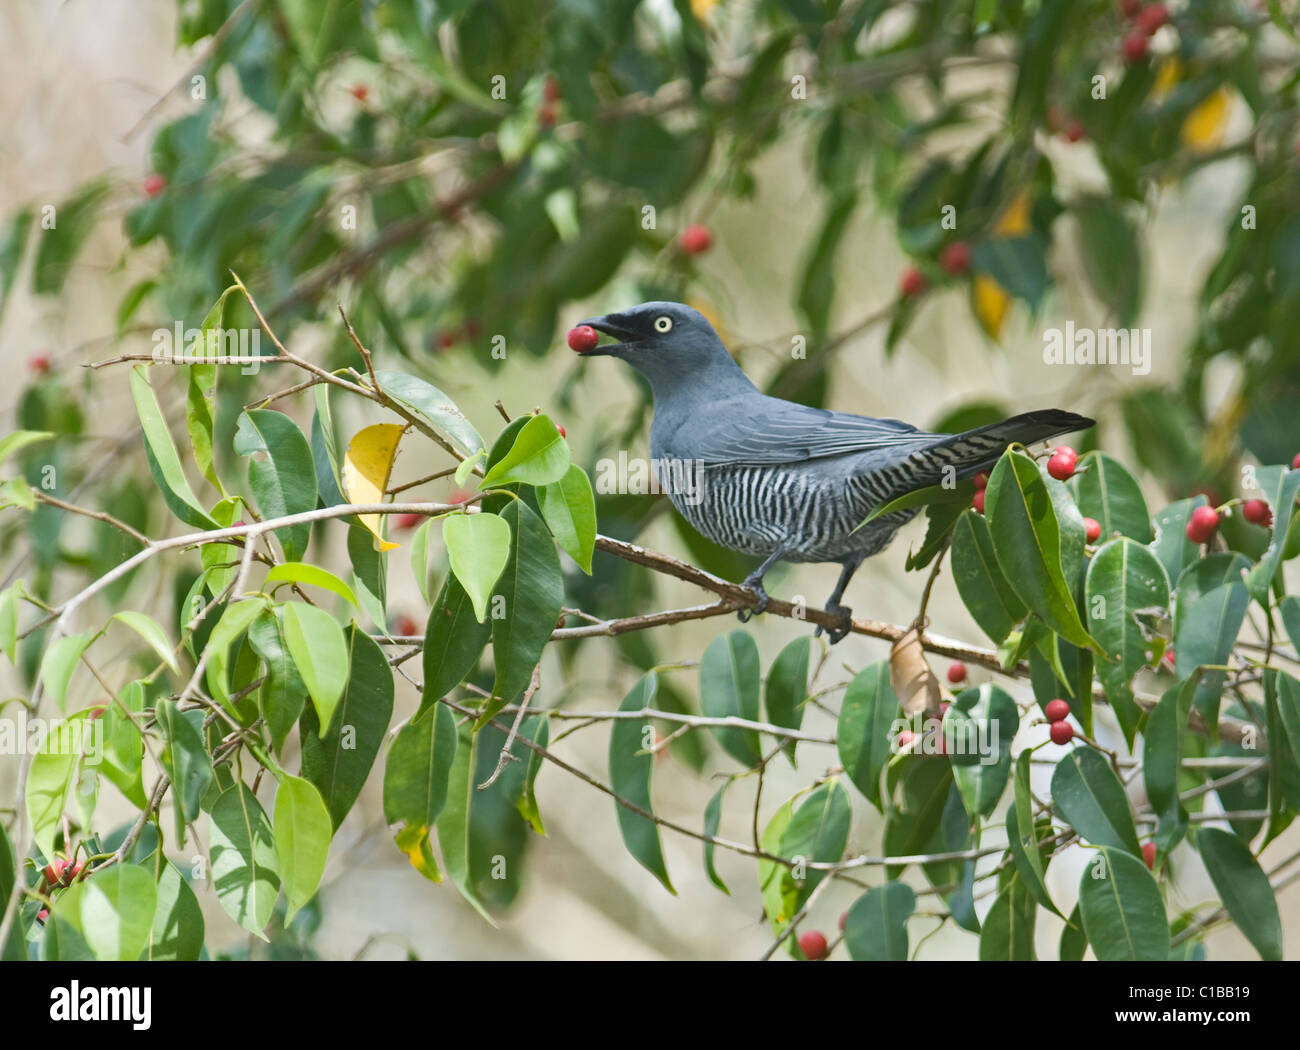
pixel 777 479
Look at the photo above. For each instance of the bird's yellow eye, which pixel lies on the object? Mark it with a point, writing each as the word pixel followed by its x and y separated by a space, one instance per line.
pixel 663 324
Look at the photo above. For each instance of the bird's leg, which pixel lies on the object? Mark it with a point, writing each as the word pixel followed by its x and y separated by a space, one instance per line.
pixel 833 605
pixel 754 581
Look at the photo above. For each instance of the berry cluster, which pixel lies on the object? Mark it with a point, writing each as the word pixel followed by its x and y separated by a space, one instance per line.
pixel 1057 711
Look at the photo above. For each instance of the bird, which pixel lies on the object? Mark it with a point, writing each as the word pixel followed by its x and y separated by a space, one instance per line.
pixel 776 479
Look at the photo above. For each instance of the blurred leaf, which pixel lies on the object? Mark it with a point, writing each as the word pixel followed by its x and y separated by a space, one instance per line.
pixel 630 767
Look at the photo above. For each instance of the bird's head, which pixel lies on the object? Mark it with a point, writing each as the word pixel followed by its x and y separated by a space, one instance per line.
pixel 660 340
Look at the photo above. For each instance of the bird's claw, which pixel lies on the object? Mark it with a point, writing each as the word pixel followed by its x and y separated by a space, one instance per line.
pixel 840 631
pixel 745 615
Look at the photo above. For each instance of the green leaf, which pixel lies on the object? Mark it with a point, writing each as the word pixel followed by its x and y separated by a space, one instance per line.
pixel 983 588
pixel 712 821
pixel 1124 578
pixel 453 641
pixel 9 622
pixel 186 760
pixel 1074 942
pixel 233 623
pixel 1207 619
pixel 1110 495
pixel 538 457
pixel 1162 762
pixel 302 572
pixel 531 593
pixel 862 736
pixel 819 832
pixel 164 462
pixel 729 686
pixel 1282 699
pixel 177 929
pixel 284 481
pixel 478 548
pixel 418 767
pixel 1171 544
pixel 321 654
pixel 428 401
pixel 1007 933
pixel 1022 837
pixel 876 927
pixel 630 767
pixel 113 911
pixel 57 247
pixel 1031 540
pixel 152 632
pixel 914 823
pixel 242 848
pixel 338 759
pixel 420 558
pixel 931 495
pixel 1280 487
pixel 48 778
pixel 568 507
pixel 123 761
pixel 1112 258
pixel 537 729
pixel 59 662
pixel 20 439
pixel 1289 608
pixel 283 693
pixel 1090 796
pixel 454 825
pixel 777 890
pixel 1122 910
pixel 302 840
pixel 324 448
pixel 979 726
pixel 786 689
pixel 1244 889
pixel 817 287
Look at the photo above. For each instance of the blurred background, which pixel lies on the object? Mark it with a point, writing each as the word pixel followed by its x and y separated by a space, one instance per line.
pixel 355 153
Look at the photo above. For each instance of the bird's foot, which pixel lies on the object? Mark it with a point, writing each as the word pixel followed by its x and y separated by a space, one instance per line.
pixel 754 584
pixel 837 633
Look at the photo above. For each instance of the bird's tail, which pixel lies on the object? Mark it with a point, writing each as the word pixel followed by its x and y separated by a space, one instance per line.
pixel 980 448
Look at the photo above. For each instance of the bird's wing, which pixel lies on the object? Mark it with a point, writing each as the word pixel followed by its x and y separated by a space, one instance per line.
pixel 776 431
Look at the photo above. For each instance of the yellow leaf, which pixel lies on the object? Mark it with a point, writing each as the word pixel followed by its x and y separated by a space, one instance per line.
pixel 413 840
pixel 990 303
pixel 1168 73
pixel 1202 131
pixel 701 8
pixel 366 468
pixel 1014 220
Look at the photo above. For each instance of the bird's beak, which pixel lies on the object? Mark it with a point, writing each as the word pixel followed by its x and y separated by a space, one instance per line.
pixel 612 325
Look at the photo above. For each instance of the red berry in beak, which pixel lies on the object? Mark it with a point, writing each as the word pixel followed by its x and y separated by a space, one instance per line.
pixel 583 338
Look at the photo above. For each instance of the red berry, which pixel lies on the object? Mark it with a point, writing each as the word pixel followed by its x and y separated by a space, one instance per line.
pixel 561 430
pixel 1091 529
pixel 1203 524
pixel 695 239
pixel 1135 46
pixel 1130 8
pixel 359 92
pixel 406 626
pixel 912 283
pixel 955 258
pixel 956 672
pixel 459 495
pixel 813 944
pixel 1258 512
pixel 445 340
pixel 71 874
pixel 1151 18
pixel 1149 854
pixel 905 738
pixel 844 920
pixel 977 501
pixel 551 90
pixel 1056 710
pixel 1295 462
pixel 154 184
pixel 39 362
pixel 583 338
pixel 43 914
pixel 546 115
pixel 981 479
pixel 54 871
pixel 1061 463
pixel 1061 732
pixel 408 521
pixel 1073 131
pixel 97 712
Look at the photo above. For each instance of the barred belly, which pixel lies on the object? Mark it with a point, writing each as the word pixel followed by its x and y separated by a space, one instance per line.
pixel 757 509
